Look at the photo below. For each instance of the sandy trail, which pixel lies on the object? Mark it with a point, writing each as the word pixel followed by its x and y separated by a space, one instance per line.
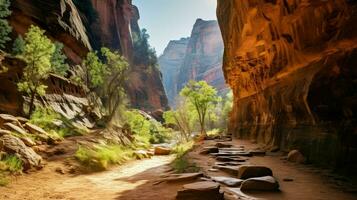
pixel 135 181
pixel 113 184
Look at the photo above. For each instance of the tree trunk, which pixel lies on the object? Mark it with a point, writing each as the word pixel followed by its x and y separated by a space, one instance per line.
pixel 33 95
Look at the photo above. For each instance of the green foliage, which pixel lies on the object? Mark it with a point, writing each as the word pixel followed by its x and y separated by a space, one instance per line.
pixel 100 157
pixel 184 117
pixel 5 28
pixel 146 131
pixel 45 118
pixel 58 60
pixel 143 53
pixel 213 132
pixel 96 70
pixel 18 47
pixel 37 54
pixel 107 78
pixel 181 164
pixel 13 163
pixel 203 97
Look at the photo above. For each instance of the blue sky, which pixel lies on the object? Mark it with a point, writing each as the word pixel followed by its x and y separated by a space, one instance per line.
pixel 168 20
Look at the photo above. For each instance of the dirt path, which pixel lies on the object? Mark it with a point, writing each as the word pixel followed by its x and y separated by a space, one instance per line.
pixel 135 181
pixel 117 183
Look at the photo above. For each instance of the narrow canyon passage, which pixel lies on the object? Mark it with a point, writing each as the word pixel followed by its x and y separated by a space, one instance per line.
pixel 178 99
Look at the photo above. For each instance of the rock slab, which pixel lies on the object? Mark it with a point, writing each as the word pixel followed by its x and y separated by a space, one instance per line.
pixel 200 190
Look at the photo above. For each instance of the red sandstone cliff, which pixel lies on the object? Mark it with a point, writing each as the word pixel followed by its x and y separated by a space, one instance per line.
pixel 82 25
pixel 292 67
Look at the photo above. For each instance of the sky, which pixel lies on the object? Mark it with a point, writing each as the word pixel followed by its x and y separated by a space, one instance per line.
pixel 168 20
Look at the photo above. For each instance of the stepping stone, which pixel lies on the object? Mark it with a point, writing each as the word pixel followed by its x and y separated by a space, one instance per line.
pixel 241 195
pixel 230 159
pixel 231 163
pixel 266 183
pixel 4 132
pixel 233 170
pixel 258 152
pixel 182 177
pixel 223 145
pixel 231 149
pixel 213 170
pixel 208 150
pixel 251 171
pixel 206 190
pixel 233 153
pixel 228 181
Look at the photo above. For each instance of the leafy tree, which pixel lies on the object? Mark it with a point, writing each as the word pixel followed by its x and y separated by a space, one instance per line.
pixel 184 117
pixel 58 60
pixel 5 28
pixel 19 46
pixel 201 96
pixel 37 54
pixel 143 52
pixel 107 77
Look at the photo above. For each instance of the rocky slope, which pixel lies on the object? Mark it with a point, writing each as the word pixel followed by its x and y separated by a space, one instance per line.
pixel 90 24
pixel 196 58
pixel 291 66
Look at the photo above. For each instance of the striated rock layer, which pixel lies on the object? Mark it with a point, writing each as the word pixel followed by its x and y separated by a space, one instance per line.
pixel 83 25
pixel 198 57
pixel 292 67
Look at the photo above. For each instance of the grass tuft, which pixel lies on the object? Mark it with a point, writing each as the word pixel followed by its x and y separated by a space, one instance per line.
pixel 100 157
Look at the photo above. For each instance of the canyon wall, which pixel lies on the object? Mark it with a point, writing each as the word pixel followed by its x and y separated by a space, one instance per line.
pixel 84 25
pixel 292 67
pixel 198 57
pixel 170 63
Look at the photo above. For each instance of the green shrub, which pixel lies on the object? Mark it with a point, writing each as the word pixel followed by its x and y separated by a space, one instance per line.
pixel 181 164
pixel 146 131
pixel 45 117
pixel 13 163
pixel 100 157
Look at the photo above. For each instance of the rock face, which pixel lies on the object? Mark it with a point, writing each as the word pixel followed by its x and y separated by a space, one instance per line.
pixel 83 25
pixel 291 66
pixel 198 57
pixel 170 63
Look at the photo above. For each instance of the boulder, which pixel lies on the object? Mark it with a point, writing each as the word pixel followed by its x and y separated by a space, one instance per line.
pixel 14 145
pixel 15 128
pixel 7 118
pixel 251 171
pixel 230 159
pixel 4 132
pixel 233 170
pixel 182 177
pixel 28 141
pixel 35 129
pixel 200 190
pixel 266 183
pixel 162 150
pixel 228 181
pixel 140 154
pixel 22 120
pixel 223 145
pixel 208 150
pixel 296 157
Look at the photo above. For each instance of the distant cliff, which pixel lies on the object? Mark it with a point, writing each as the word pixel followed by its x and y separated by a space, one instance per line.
pixel 198 57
